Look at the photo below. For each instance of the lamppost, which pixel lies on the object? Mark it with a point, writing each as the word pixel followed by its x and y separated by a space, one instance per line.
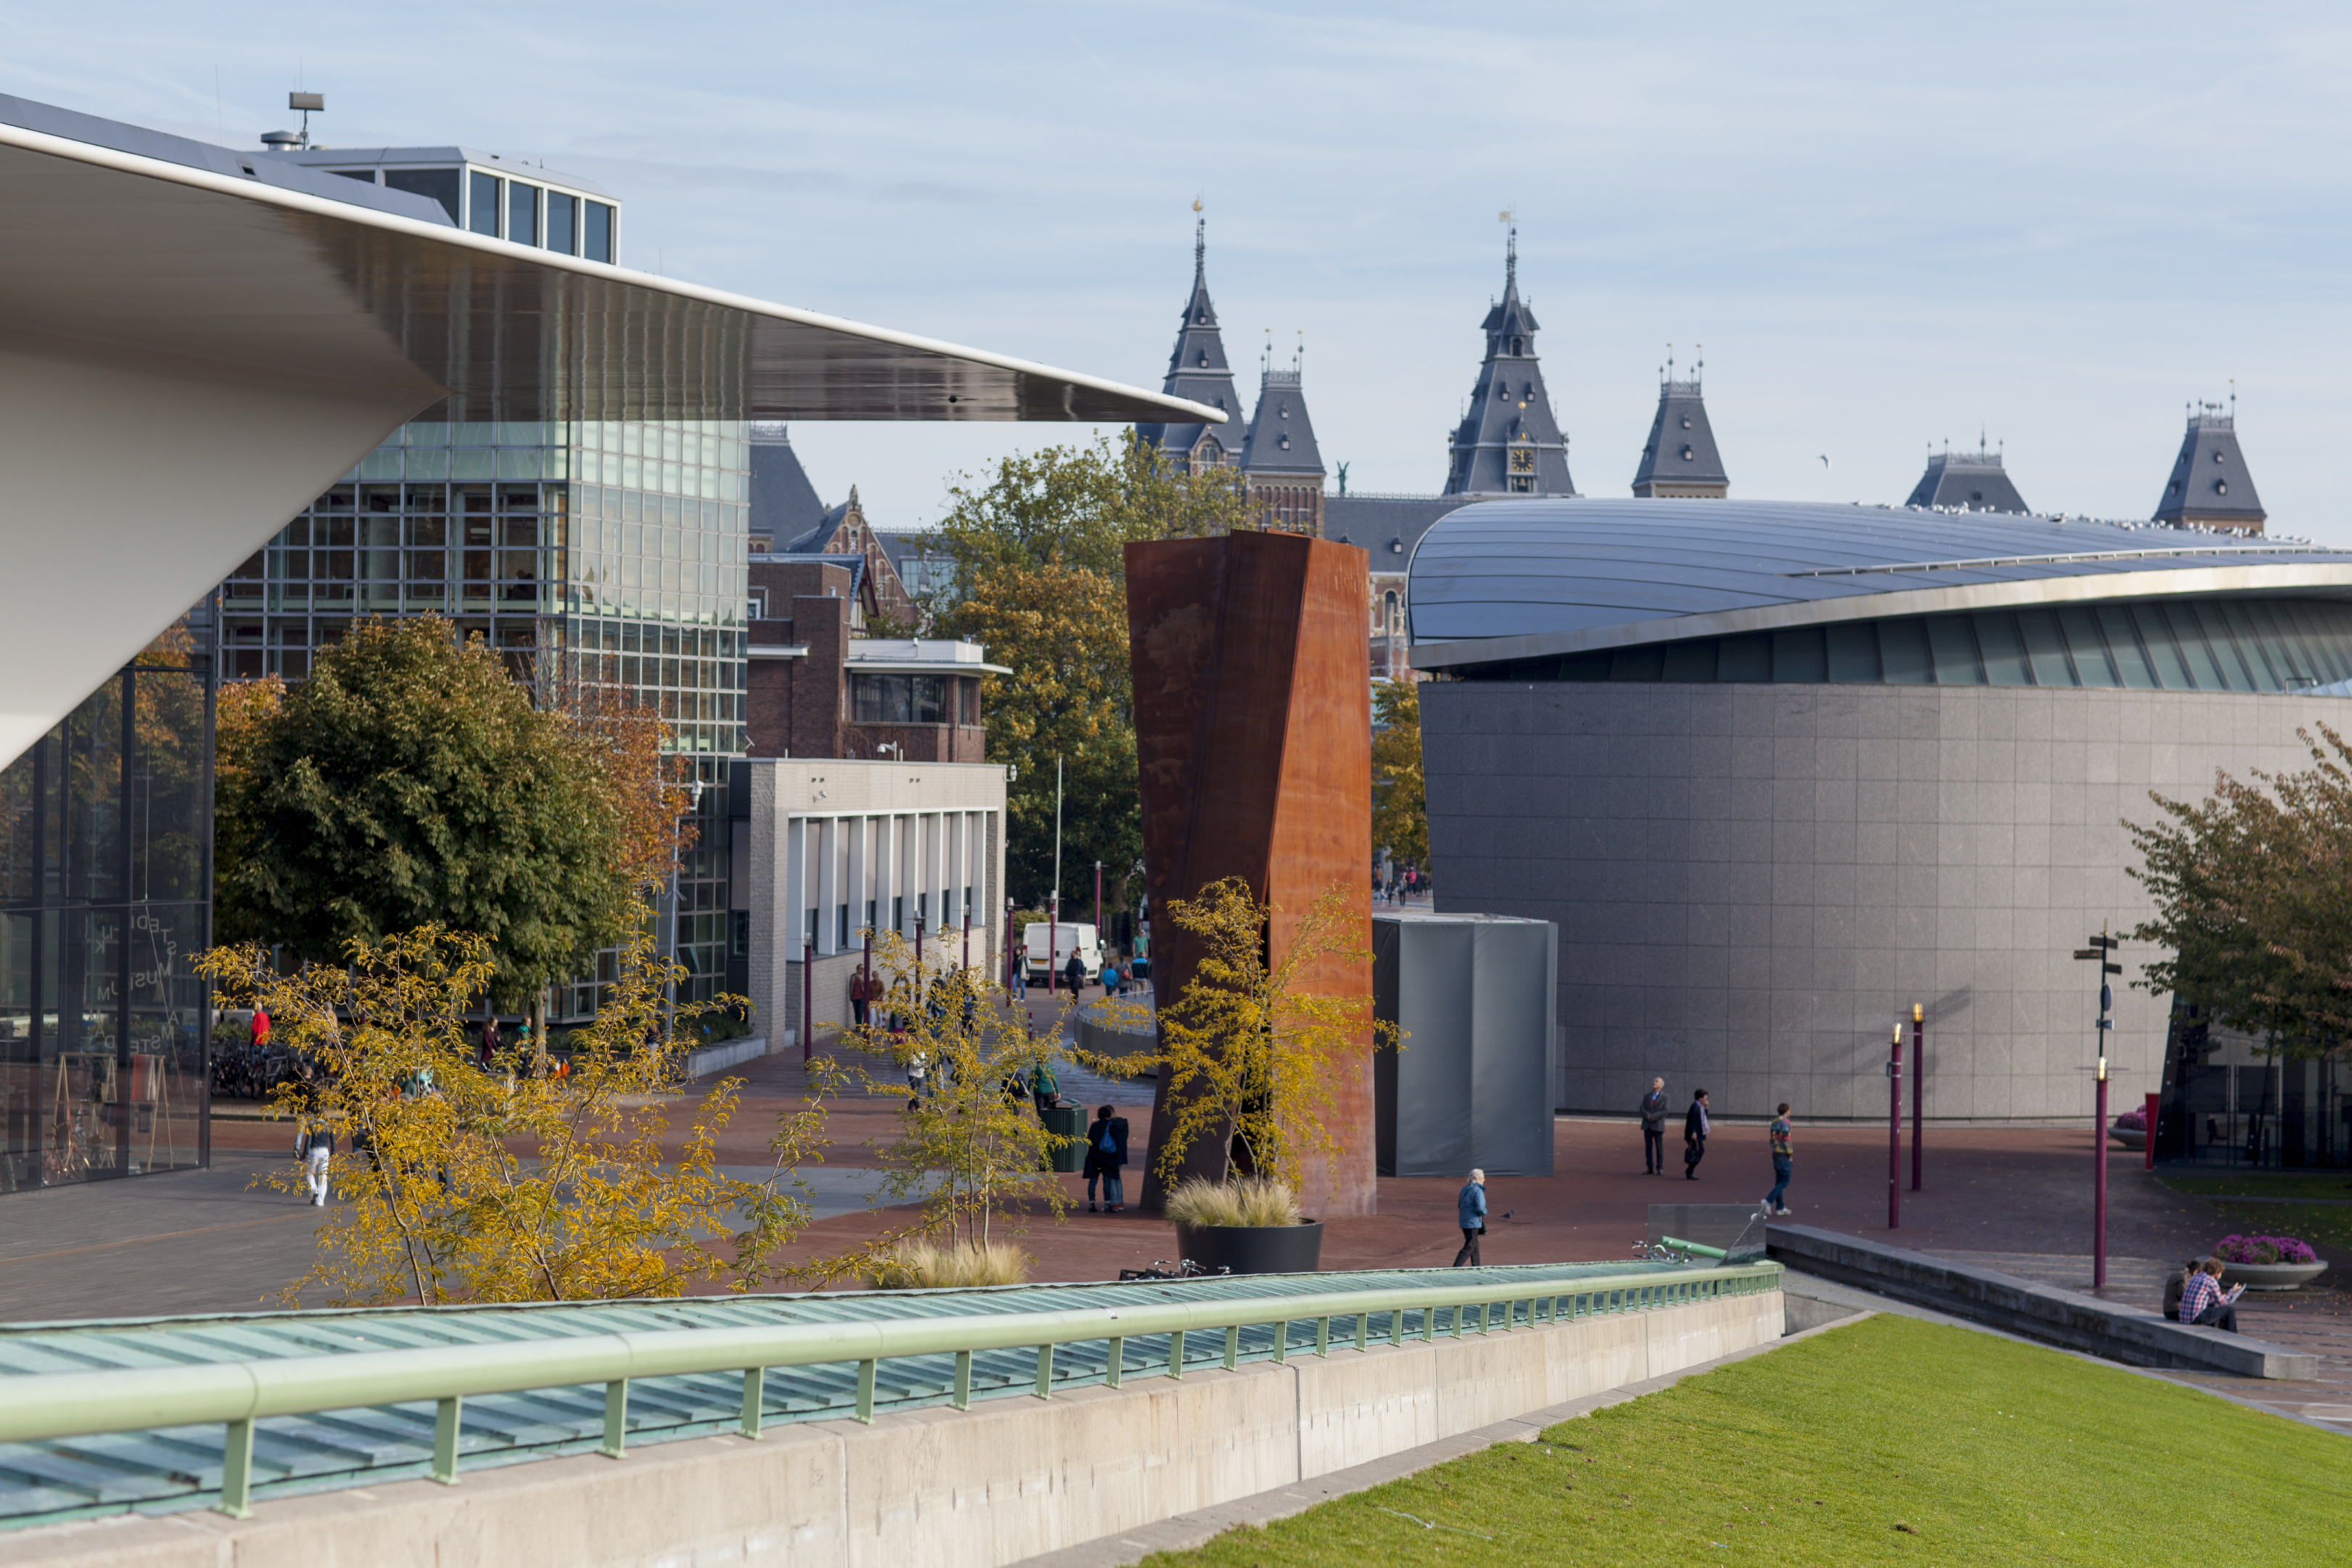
pixel 669 925
pixel 1918 1087
pixel 1895 1131
pixel 2101 951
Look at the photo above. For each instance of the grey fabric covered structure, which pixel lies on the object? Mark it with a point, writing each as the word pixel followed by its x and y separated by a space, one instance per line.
pixel 2209 487
pixel 1474 1086
pixel 1509 443
pixel 1967 481
pixel 1681 459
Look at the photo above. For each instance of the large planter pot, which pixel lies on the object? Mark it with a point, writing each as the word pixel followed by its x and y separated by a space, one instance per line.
pixel 2129 1137
pixel 1253 1248
pixel 2273 1276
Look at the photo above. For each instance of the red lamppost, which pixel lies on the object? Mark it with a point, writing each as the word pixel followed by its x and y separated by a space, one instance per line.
pixel 2101 951
pixel 1918 1087
pixel 1895 1134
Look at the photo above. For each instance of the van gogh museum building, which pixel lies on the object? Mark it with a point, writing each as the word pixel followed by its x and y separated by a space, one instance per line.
pixel 1781 771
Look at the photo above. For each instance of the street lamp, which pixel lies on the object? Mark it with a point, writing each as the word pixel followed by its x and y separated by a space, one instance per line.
pixel 2101 951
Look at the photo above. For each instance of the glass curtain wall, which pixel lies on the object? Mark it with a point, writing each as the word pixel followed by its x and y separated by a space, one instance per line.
pixel 106 872
pixel 599 554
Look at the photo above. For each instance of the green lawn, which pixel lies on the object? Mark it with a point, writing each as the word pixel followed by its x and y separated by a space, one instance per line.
pixel 2261 1183
pixel 1889 1440
pixel 2322 1224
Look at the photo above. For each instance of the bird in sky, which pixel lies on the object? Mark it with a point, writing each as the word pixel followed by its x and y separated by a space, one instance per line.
pixel 1825 459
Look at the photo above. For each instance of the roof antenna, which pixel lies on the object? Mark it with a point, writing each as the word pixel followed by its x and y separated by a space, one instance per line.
pixel 1699 371
pixel 2233 403
pixel 1298 356
pixel 1199 242
pixel 1510 250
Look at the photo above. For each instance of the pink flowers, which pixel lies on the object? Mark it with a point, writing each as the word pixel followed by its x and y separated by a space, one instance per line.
pixel 2265 1249
pixel 2132 1122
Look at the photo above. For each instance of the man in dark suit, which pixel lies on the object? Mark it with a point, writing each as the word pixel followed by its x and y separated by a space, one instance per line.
pixel 1106 1160
pixel 1653 1129
pixel 1695 1134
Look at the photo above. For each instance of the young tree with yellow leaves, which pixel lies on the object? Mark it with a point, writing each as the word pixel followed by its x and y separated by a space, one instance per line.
pixel 473 1183
pixel 1248 1048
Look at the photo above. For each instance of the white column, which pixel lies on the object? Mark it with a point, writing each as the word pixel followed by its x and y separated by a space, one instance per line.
pixel 828 885
pixel 796 884
pixel 861 873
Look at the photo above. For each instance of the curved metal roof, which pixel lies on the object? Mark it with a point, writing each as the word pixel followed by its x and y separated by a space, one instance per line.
pixel 1521 579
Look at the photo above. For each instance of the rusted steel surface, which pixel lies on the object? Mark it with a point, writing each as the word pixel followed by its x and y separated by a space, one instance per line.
pixel 1253 719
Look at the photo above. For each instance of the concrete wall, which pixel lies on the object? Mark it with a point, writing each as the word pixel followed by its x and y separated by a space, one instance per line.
pixel 1751 881
pixel 1005 1480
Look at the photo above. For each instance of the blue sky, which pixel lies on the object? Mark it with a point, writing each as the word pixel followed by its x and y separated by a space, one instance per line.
pixel 1890 225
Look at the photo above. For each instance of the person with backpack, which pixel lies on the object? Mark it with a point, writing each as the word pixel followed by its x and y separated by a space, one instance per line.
pixel 1106 1160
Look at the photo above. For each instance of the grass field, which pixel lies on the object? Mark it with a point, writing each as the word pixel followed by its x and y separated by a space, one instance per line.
pixel 1889 1440
pixel 2261 1183
pixel 2321 1225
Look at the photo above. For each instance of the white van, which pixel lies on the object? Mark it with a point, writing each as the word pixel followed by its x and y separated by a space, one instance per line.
pixel 1070 936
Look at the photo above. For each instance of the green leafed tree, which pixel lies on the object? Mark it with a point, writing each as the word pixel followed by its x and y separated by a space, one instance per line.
pixel 411 782
pixel 1400 801
pixel 1039 576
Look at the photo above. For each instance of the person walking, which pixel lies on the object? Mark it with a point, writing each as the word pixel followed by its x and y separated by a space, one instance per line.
pixel 1781 1162
pixel 1047 1087
pixel 1074 974
pixel 319 1155
pixel 918 1069
pixel 1470 1208
pixel 489 1042
pixel 860 996
pixel 1695 1134
pixel 1106 1160
pixel 1653 1129
pixel 2204 1304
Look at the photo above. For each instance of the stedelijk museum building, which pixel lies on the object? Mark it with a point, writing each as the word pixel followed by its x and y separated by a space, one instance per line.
pixel 1780 771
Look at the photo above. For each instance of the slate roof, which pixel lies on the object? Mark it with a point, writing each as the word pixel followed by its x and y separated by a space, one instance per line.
pixel 1508 407
pixel 1281 435
pixel 1198 369
pixel 1510 579
pixel 1974 481
pixel 784 505
pixel 1681 449
pixel 1390 526
pixel 2210 482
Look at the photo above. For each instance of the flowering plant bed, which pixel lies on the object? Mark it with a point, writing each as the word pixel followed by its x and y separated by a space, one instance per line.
pixel 2268 1262
pixel 2130 1129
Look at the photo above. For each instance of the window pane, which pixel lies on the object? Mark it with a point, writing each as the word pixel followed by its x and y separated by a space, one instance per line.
pixel 2232 636
pixel 563 213
pixel 1692 660
pixel 2089 647
pixel 1954 643
pixel 1903 653
pixel 441 185
pixel 2003 649
pixel 523 213
pixel 2194 651
pixel 1637 663
pixel 1852 652
pixel 599 237
pixel 484 205
pixel 2124 647
pixel 1799 654
pixel 2046 648
pixel 1744 659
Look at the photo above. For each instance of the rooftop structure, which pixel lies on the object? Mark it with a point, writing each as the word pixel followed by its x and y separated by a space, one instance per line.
pixel 2209 487
pixel 1199 373
pixel 1966 481
pixel 1507 442
pixel 785 504
pixel 1282 465
pixel 483 192
pixel 1680 458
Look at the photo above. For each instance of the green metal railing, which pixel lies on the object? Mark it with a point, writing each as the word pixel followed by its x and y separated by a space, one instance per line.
pixel 237 1394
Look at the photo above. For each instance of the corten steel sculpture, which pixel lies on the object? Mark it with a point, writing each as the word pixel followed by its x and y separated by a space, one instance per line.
pixel 1253 735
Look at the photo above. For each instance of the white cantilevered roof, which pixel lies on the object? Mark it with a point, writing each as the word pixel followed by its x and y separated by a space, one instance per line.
pixel 191 351
pixel 1523 579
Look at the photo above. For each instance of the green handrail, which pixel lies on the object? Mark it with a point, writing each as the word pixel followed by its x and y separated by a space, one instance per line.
pixel 41 1406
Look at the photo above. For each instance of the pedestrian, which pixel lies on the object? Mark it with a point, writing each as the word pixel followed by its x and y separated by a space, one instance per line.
pixel 918 1069
pixel 1019 985
pixel 1074 974
pixel 2203 1303
pixel 1470 1208
pixel 1106 1160
pixel 1695 1134
pixel 1653 1129
pixel 319 1155
pixel 859 996
pixel 1047 1087
pixel 1780 1165
pixel 260 1030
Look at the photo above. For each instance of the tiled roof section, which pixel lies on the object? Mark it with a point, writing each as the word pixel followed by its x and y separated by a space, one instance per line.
pixel 1509 443
pixel 1390 526
pixel 1281 435
pixel 2210 482
pixel 784 505
pixel 1197 367
pixel 1967 481
pixel 1681 449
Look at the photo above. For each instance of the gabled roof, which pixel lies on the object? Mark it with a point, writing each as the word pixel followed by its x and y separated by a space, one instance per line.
pixel 784 505
pixel 2210 482
pixel 1281 436
pixel 1197 365
pixel 1508 434
pixel 1681 449
pixel 1389 526
pixel 1967 481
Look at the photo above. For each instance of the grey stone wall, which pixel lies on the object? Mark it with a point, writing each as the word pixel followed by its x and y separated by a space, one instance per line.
pixel 1751 881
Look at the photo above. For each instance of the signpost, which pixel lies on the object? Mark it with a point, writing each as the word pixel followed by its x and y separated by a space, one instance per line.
pixel 2101 951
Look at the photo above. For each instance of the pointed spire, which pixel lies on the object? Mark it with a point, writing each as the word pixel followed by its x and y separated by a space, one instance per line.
pixel 1681 459
pixel 1199 246
pixel 1507 442
pixel 1510 259
pixel 1197 369
pixel 2210 487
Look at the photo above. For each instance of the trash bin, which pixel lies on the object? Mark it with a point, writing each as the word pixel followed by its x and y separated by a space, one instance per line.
pixel 1070 1122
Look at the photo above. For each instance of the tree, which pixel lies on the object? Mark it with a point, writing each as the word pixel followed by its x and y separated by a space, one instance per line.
pixel 468 1183
pixel 410 782
pixel 1400 799
pixel 2253 890
pixel 1038 575
pixel 1248 1048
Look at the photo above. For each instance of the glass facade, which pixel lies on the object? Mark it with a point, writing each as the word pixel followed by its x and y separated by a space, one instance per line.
pixel 2203 644
pixel 598 554
pixel 106 872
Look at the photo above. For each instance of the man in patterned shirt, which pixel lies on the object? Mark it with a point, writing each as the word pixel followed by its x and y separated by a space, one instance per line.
pixel 2203 1302
pixel 1780 1164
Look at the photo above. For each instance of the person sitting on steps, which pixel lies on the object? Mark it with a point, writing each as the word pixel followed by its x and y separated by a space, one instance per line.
pixel 2203 1303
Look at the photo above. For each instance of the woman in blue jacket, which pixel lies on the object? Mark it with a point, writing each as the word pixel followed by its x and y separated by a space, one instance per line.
pixel 1471 1210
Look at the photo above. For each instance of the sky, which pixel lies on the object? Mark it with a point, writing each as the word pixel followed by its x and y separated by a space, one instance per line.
pixel 1891 226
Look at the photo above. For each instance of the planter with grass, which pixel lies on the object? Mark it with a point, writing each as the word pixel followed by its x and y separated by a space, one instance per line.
pixel 1247 1226
pixel 2268 1262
